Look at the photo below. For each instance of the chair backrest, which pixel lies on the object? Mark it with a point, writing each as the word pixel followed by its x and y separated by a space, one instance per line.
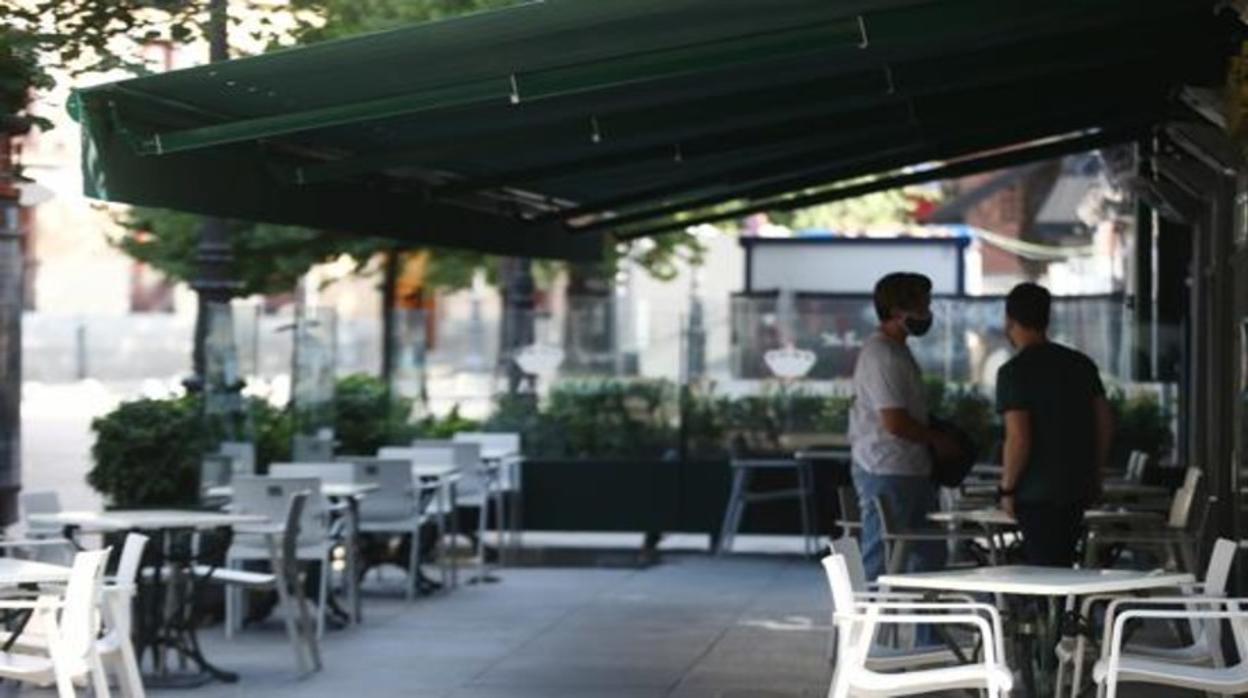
pixel 848 549
pixel 42 502
pixel 1191 477
pixel 336 472
pixel 79 623
pixel 270 497
pixel 215 469
pixel 312 449
pixel 395 496
pixel 242 455
pixel 131 558
pixel 1137 462
pixel 504 442
pixel 1181 505
pixel 839 584
pixel 465 455
pixel 507 442
pixel 1219 569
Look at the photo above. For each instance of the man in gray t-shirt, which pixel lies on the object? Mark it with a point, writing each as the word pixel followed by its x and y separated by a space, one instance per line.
pixel 888 426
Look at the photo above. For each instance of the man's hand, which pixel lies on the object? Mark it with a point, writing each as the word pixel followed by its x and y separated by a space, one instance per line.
pixel 1007 504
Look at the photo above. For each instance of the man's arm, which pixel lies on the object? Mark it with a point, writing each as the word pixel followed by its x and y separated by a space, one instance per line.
pixel 1015 454
pixel 898 422
pixel 1103 416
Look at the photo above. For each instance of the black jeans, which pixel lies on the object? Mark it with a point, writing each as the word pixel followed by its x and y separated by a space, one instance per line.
pixel 1050 532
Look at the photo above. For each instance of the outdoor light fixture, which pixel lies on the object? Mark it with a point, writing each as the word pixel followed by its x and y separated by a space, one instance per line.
pixel 790 362
pixel 539 359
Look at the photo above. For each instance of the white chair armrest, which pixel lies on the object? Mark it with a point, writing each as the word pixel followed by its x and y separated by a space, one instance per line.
pixel 991 611
pixel 1117 637
pixel 992 643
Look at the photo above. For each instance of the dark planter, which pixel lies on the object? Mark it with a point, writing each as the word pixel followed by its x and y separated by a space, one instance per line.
pixel 654 496
pixel 706 485
pixel 600 495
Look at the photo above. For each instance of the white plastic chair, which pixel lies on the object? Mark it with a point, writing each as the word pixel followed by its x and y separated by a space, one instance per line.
pixel 1205 645
pixel 857 622
pixel 71 654
pixel 885 657
pixel 287 579
pixel 312 449
pixel 1116 666
pixel 510 476
pixel 1180 537
pixel 399 506
pixel 270 497
pixel 242 455
pixel 897 538
pixel 113 646
pixel 475 487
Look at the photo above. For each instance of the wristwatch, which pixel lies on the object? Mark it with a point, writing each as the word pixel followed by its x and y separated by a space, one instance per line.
pixel 1002 493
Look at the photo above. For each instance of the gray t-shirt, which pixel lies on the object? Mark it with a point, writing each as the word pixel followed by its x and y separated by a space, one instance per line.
pixel 887 376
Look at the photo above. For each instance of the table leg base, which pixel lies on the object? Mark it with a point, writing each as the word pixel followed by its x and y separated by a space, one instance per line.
pixel 181 680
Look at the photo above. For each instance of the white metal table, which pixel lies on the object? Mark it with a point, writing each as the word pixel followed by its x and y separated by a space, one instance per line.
pixel 1053 584
pixel 15 572
pixel 177 629
pixel 333 490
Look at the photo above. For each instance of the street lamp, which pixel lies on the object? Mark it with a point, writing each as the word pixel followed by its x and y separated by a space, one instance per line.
pixel 541 360
pixel 789 362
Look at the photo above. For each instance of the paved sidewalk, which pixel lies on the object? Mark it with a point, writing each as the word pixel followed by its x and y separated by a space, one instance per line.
pixel 693 626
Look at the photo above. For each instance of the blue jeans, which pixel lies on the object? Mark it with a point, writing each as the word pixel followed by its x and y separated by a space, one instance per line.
pixel 910 498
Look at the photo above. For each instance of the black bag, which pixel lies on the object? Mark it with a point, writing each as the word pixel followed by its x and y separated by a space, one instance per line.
pixel 951 472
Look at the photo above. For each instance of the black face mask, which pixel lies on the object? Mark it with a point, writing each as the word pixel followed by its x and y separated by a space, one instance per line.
pixel 918 326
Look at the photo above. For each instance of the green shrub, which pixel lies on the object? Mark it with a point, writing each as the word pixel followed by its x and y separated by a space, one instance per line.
pixel 1141 424
pixel 147 453
pixel 366 417
pixel 434 427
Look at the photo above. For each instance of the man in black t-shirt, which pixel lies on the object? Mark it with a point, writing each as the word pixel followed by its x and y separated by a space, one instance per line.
pixel 1058 427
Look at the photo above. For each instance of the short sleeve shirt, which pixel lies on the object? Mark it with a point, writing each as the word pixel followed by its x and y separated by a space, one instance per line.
pixel 886 376
pixel 1056 386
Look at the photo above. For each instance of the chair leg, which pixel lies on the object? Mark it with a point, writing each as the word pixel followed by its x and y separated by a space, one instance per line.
pixel 413 563
pixel 306 626
pixel 99 680
pixel 1076 674
pixel 1061 679
pixel 129 678
pixel 322 600
pixel 232 594
pixel 734 511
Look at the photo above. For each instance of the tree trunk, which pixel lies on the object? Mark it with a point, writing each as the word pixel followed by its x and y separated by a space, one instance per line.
pixel 518 321
pixel 389 280
pixel 11 282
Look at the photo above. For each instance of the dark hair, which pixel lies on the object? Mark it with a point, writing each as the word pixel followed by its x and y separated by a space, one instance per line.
pixel 1028 305
pixel 900 291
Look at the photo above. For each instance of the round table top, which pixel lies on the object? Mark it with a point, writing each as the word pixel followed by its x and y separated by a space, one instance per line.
pixel 1028 580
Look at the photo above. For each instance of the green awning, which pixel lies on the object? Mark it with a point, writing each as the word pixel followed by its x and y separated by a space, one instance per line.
pixel 534 130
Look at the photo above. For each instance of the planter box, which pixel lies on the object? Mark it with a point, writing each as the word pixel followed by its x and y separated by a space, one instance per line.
pixel 600 495
pixel 655 496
